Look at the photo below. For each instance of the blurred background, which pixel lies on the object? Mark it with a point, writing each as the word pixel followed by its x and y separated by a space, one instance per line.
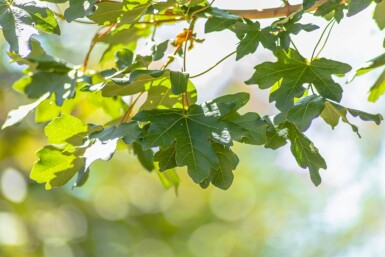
pixel 272 208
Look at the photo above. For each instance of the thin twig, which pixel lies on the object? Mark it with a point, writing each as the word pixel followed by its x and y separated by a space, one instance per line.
pixel 129 110
pixel 95 39
pixel 189 32
pixel 202 9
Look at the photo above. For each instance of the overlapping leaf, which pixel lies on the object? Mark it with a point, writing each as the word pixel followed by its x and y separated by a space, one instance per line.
pixel 220 20
pixel 305 152
pixel 62 84
pixel 305 110
pixel 192 132
pixel 21 19
pixel 290 25
pixel 334 8
pixel 55 167
pixel 334 112
pixel 251 36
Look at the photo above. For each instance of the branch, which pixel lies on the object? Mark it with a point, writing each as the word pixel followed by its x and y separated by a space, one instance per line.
pixel 275 12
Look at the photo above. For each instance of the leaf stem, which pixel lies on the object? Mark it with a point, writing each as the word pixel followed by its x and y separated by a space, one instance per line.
pixel 202 9
pixel 189 32
pixel 295 47
pixel 320 39
pixel 127 115
pixel 326 40
pixel 215 65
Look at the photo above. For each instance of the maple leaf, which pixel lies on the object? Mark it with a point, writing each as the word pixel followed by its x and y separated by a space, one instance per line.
pixel 294 72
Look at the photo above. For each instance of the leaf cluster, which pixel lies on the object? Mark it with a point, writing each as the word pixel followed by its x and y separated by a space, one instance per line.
pixel 152 109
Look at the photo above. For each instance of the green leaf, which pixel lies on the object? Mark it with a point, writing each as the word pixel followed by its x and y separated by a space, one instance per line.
pixel 253 37
pixel 103 143
pixel 287 26
pixel 16 116
pixel 79 9
pixel 166 158
pixel 39 60
pixel 379 16
pixel 54 167
pixel 145 157
pixel 222 14
pixel 124 58
pixel 275 135
pixel 47 110
pixel 179 82
pixel 248 128
pixel 191 131
pixel 169 178
pixel 335 8
pixel 21 19
pixel 222 177
pixel 333 112
pixel 132 16
pixel 62 84
pixel 159 50
pixel 378 88
pixel 357 6
pixel 376 118
pixel 107 13
pixel 305 110
pixel 305 153
pixel 294 73
pixel 308 4
pixel 372 64
pixel 156 83
pixel 217 24
pixel 66 129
